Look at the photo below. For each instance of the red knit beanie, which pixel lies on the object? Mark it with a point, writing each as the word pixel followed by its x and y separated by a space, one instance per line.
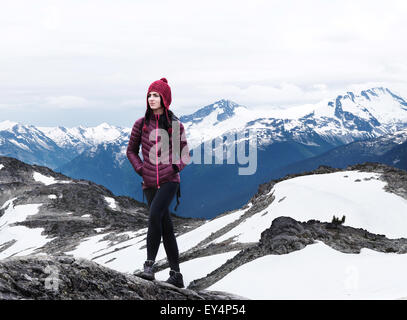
pixel 161 86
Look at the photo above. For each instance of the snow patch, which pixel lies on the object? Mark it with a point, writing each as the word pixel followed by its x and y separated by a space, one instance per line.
pixel 18 144
pixel 325 273
pixel 190 239
pixel 111 202
pixel 27 239
pixel 43 179
pixel 199 267
pixel 125 256
pixel 7 125
pixel 17 214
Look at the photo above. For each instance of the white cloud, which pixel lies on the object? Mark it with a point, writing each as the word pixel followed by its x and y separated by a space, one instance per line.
pixel 51 17
pixel 67 102
pixel 254 52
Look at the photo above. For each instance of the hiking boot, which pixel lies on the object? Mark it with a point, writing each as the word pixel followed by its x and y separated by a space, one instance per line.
pixel 175 279
pixel 149 269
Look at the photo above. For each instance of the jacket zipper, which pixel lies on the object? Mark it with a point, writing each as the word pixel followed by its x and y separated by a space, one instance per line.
pixel 156 149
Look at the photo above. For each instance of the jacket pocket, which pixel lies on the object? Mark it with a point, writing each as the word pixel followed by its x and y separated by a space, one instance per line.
pixel 140 170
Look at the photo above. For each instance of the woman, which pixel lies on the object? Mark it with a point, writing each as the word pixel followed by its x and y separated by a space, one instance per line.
pixel 161 179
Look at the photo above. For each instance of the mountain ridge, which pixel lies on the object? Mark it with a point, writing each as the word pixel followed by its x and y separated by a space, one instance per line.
pixel 357 118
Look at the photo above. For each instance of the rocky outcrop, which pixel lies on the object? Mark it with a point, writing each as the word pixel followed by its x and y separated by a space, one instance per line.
pixel 286 235
pixel 72 209
pixel 63 277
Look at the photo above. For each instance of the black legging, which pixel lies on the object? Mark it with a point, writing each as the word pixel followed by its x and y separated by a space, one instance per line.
pixel 160 223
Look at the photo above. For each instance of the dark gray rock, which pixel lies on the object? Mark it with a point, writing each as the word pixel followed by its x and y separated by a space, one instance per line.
pixel 66 278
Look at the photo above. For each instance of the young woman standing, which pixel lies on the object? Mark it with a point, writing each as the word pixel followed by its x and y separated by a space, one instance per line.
pixel 161 179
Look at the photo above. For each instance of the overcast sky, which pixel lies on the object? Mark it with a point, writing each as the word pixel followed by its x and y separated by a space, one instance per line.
pixel 86 62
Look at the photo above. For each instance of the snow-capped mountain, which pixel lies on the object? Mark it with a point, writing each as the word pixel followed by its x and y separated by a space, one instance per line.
pixel 55 146
pixel 29 143
pixel 82 138
pixel 254 251
pixel 215 119
pixel 347 118
pixel 344 119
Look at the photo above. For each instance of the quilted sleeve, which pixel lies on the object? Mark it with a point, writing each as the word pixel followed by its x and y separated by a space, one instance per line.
pixel 134 146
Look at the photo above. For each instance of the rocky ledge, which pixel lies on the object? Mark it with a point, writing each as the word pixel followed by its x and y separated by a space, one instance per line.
pixel 66 278
pixel 286 235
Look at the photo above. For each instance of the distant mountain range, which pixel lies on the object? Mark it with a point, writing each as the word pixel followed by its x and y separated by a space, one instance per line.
pixel 54 146
pixel 390 149
pixel 329 132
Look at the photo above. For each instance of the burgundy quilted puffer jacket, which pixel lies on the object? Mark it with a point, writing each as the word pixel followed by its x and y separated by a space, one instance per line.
pixel 155 173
